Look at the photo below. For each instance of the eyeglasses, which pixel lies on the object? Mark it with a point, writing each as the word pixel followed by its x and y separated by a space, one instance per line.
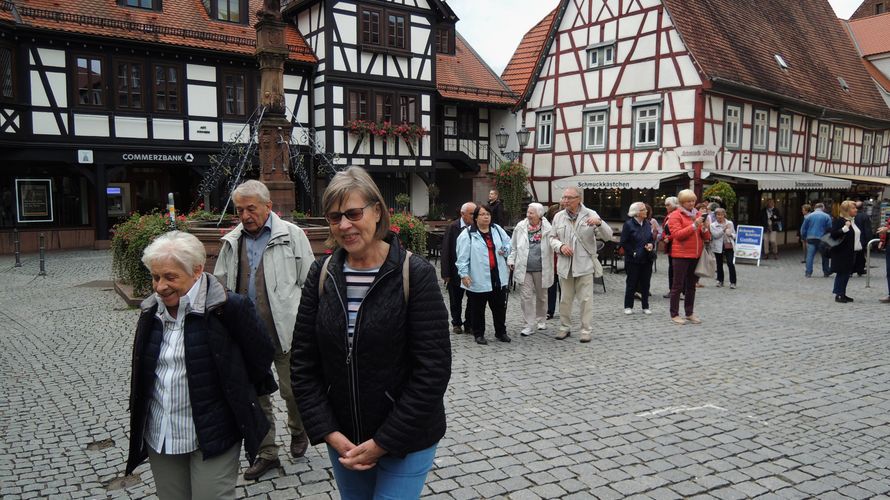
pixel 570 197
pixel 353 214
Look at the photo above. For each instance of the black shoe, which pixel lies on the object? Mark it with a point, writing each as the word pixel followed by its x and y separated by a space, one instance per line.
pixel 481 341
pixel 503 338
pixel 842 299
pixel 260 466
pixel 848 299
pixel 666 296
pixel 549 315
pixel 298 445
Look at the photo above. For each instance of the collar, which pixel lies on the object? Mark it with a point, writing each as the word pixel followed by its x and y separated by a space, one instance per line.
pixel 206 294
pixel 187 303
pixel 267 228
pixel 462 223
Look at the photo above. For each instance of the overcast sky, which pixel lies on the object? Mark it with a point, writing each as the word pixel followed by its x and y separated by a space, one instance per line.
pixel 494 27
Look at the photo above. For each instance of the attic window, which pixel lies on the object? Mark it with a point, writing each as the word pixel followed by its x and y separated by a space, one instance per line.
pixel 844 86
pixel 781 61
pixel 142 4
pixel 880 8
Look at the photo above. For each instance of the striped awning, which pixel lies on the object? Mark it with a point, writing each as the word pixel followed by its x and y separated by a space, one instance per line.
pixel 785 181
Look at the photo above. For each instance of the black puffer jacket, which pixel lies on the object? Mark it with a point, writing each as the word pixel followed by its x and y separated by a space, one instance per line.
pixel 391 387
pixel 228 362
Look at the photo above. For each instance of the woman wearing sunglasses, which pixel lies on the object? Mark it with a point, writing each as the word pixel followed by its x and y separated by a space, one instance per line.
pixel 371 355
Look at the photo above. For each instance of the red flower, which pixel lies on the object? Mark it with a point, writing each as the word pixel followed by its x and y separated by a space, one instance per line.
pixel 394 228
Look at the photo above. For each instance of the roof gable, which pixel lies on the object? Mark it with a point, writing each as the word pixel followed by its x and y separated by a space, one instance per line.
pixel 523 66
pixel 870 8
pixel 466 77
pixel 872 34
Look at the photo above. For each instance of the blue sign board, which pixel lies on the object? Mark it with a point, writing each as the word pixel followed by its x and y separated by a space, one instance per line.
pixel 748 242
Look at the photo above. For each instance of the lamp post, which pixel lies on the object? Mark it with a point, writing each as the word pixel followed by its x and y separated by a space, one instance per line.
pixel 503 137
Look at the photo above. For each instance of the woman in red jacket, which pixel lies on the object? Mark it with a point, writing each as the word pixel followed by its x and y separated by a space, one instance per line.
pixel 689 229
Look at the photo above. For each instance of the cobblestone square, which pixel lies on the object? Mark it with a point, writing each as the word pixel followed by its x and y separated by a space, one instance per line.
pixel 780 393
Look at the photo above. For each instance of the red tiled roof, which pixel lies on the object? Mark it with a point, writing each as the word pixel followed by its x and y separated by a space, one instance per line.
pixel 465 77
pixel 735 42
pixel 182 23
pixel 519 73
pixel 872 34
pixel 867 8
pixel 875 73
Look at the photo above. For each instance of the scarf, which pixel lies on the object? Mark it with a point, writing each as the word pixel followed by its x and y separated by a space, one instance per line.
pixel 692 214
pixel 534 232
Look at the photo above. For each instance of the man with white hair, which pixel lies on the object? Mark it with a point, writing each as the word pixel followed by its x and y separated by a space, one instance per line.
pixel 670 204
pixel 572 237
pixel 449 269
pixel 267 259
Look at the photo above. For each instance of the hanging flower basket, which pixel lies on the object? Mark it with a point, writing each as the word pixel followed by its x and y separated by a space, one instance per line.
pixel 408 132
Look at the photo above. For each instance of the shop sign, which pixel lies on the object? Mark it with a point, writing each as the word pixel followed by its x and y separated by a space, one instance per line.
pixel 34 200
pixel 809 185
pixel 748 242
pixel 159 157
pixel 604 184
pixel 689 154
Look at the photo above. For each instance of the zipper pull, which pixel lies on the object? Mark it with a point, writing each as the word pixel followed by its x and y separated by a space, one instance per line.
pixel 349 356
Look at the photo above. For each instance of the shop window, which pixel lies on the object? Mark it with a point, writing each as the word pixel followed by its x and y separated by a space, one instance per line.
pixel 88 80
pixel 784 143
pixel 837 144
pixel 732 126
pixel 358 105
pixel 596 130
pixel 384 28
pixel 128 85
pixel 545 130
pixel 166 87
pixel 867 151
pixel 234 93
pixel 600 56
pixel 647 121
pixel 822 144
pixel 7 74
pixel 760 133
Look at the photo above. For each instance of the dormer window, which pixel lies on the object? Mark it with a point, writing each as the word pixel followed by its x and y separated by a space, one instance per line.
pixel 141 4
pixel 880 8
pixel 783 65
pixel 601 55
pixel 232 11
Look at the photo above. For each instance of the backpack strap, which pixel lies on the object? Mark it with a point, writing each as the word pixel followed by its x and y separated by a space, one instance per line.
pixel 405 275
pixel 323 276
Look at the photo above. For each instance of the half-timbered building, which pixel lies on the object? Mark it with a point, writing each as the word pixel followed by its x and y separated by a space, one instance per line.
pixel 108 105
pixel 638 99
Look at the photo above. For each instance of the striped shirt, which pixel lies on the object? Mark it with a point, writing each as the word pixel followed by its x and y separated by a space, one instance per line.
pixel 358 282
pixel 170 428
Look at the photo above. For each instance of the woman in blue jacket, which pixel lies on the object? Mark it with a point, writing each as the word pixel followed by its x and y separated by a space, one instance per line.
pixel 482 253
pixel 638 243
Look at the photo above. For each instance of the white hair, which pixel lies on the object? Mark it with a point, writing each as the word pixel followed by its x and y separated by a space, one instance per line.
pixel 635 207
pixel 538 208
pixel 672 201
pixel 576 189
pixel 180 247
pixel 252 189
pixel 468 207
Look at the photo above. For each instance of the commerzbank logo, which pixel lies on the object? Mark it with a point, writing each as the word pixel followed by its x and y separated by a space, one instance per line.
pixel 159 157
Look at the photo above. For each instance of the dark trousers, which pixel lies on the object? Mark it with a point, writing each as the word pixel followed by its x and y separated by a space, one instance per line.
pixel 670 272
pixel 455 298
pixel 683 282
pixel 840 283
pixel 639 277
pixel 859 263
pixel 497 302
pixel 887 261
pixel 553 292
pixel 727 256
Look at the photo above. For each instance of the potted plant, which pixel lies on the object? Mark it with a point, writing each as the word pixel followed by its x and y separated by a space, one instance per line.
pixel 511 181
pixel 410 230
pixel 723 194
pixel 129 241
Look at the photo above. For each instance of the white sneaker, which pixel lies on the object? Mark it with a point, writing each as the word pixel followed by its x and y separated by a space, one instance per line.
pixel 526 332
pixel 647 311
pixel 628 311
pixel 542 326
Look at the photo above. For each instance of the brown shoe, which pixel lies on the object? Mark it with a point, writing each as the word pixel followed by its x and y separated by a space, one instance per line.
pixel 298 445
pixel 457 329
pixel 693 319
pixel 562 335
pixel 260 466
pixel 678 320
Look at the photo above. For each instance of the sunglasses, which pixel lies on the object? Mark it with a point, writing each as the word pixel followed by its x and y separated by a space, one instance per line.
pixel 353 214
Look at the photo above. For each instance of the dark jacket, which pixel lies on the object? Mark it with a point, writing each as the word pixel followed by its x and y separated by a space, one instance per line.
pixel 497 213
pixel 843 255
pixel 391 385
pixel 634 238
pixel 449 250
pixel 229 362
pixel 770 223
pixel 863 222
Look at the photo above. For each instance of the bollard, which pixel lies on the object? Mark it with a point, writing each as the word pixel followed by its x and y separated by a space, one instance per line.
pixel 18 248
pixel 868 262
pixel 42 255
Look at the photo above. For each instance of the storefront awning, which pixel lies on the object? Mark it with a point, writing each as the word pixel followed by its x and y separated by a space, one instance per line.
pixel 785 181
pixel 861 179
pixel 618 180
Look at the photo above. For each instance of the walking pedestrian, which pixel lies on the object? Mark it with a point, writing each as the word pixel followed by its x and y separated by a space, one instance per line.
pixel 553 292
pixel 843 255
pixel 449 270
pixel 814 226
pixel 638 243
pixel 497 208
pixel 670 204
pixel 200 359
pixel 531 260
pixel 689 233
pixel 882 232
pixel 482 252
pixel 863 222
pixel 805 209
pixel 771 220
pixel 267 260
pixel 723 245
pixel 372 356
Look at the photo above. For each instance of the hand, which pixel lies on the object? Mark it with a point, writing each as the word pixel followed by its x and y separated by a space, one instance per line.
pixel 566 250
pixel 848 223
pixel 594 221
pixel 339 442
pixel 648 247
pixel 882 229
pixel 446 280
pixel 363 456
pixel 511 267
pixel 466 280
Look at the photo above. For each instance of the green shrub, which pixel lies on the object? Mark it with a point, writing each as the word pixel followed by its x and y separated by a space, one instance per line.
pixel 511 181
pixel 129 241
pixel 722 193
pixel 411 232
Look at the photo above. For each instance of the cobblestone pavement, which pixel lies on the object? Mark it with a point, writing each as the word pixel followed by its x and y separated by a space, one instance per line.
pixel 781 393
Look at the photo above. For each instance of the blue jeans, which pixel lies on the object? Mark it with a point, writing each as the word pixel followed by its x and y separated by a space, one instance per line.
pixel 840 283
pixel 392 478
pixel 812 250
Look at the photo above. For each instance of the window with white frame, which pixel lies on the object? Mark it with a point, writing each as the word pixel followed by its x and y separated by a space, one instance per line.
pixel 879 146
pixel 732 126
pixel 867 151
pixel 837 144
pixel 604 55
pixel 646 126
pixel 545 130
pixel 784 144
pixel 596 130
pixel 760 136
pixel 823 140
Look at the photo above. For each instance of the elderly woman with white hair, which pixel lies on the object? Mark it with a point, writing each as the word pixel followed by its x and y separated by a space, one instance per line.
pixel 531 260
pixel 638 243
pixel 200 358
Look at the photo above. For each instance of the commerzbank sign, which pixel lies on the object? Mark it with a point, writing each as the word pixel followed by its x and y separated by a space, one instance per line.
pixel 159 157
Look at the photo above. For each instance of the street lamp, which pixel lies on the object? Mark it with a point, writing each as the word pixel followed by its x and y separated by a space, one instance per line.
pixel 502 137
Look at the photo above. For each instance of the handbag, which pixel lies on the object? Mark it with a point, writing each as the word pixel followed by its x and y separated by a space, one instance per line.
pixel 706 267
pixel 827 243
